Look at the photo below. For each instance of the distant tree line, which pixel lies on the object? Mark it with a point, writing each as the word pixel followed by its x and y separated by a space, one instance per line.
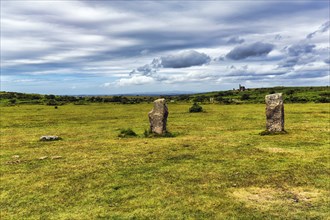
pixel 257 95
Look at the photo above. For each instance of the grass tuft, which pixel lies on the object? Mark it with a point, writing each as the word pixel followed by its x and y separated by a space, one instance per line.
pixel 125 133
pixel 149 134
pixel 263 133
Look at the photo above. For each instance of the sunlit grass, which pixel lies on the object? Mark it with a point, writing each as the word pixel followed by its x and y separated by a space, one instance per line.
pixel 216 167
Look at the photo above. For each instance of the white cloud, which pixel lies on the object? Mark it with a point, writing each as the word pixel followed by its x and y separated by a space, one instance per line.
pixel 135 80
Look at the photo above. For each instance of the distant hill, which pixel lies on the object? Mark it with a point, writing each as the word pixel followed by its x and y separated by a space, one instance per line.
pixel 320 94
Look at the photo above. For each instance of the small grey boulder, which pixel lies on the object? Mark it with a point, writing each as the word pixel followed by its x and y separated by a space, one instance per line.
pixel 49 138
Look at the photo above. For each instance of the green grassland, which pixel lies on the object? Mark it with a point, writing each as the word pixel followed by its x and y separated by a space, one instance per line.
pixel 216 167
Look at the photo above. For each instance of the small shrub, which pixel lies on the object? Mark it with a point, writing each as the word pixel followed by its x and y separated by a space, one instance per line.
pixel 323 100
pixel 201 98
pixel 80 102
pixel 289 92
pixel 227 101
pixel 51 102
pixel 195 108
pixel 12 101
pixel 127 133
pixel 245 97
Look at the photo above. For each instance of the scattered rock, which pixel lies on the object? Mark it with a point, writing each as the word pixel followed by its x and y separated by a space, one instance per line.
pixel 56 157
pixel 274 113
pixel 14 162
pixel 158 117
pixel 42 158
pixel 49 138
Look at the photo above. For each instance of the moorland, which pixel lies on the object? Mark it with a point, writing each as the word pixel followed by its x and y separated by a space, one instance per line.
pixel 215 165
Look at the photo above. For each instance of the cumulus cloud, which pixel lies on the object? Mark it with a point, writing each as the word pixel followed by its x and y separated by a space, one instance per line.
pixel 135 80
pixel 148 69
pixel 327 60
pixel 250 50
pixel 182 59
pixel 185 59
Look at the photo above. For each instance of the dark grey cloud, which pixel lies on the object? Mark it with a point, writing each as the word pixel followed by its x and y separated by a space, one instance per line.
pixel 327 60
pixel 278 37
pixel 148 69
pixel 289 62
pixel 180 60
pixel 300 53
pixel 185 59
pixel 301 48
pixel 235 40
pixel 250 50
pixel 276 9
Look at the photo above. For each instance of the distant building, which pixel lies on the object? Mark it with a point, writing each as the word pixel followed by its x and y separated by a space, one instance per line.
pixel 241 88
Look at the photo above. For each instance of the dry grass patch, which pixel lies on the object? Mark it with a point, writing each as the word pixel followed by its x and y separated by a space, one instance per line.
pixel 280 198
pixel 276 150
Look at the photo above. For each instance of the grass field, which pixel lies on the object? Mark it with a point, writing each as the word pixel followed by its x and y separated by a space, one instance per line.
pixel 217 166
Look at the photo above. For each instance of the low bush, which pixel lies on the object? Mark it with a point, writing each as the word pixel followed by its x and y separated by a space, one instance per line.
pixel 52 102
pixel 245 96
pixel 127 133
pixel 195 108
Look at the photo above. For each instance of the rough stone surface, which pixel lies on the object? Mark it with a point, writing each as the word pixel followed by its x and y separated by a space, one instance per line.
pixel 274 112
pixel 42 158
pixel 49 138
pixel 158 117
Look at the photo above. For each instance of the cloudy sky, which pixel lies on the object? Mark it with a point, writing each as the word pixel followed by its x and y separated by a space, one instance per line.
pixel 111 47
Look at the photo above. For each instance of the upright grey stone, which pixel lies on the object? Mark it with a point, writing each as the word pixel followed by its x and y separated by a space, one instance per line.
pixel 274 112
pixel 158 117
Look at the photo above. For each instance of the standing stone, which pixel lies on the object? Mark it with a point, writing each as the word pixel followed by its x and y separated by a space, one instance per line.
pixel 158 117
pixel 274 113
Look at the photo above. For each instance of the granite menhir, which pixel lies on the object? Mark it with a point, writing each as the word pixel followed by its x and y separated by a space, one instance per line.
pixel 158 117
pixel 274 113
